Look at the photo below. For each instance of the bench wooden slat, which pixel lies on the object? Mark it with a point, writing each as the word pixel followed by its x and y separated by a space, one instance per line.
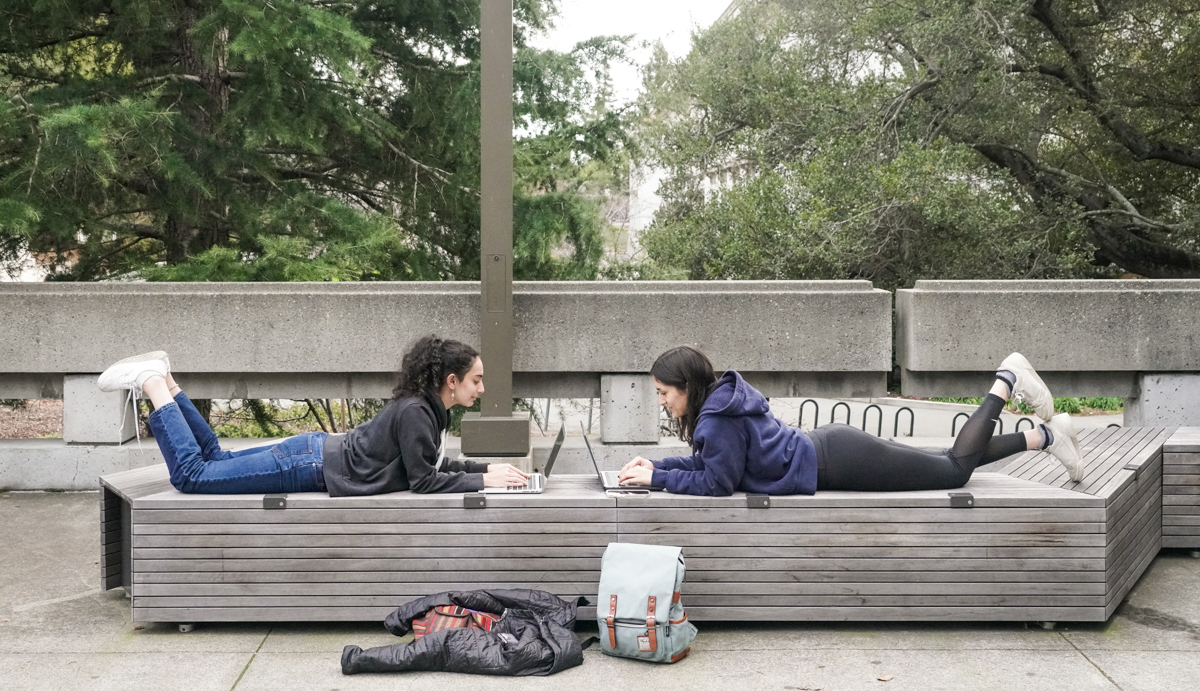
pixel 351 515
pixel 429 529
pixel 774 515
pixel 687 540
pixel 725 578
pixel 854 528
pixel 416 588
pixel 544 551
pixel 695 601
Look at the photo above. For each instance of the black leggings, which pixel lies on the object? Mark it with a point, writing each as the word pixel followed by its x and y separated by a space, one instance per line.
pixel 851 459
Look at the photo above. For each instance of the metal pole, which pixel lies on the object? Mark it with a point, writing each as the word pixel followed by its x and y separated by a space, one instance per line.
pixel 496 431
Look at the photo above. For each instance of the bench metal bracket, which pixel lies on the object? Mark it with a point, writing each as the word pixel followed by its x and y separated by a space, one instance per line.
pixel 1136 468
pixel 758 501
pixel 962 500
pixel 475 500
pixel 274 501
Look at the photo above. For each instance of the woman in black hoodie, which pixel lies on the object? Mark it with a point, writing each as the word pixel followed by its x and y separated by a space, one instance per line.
pixel 403 447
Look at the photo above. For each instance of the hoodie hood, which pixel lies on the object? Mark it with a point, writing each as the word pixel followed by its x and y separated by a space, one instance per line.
pixel 732 396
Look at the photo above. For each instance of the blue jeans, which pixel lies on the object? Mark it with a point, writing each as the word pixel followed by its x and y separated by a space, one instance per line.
pixel 198 465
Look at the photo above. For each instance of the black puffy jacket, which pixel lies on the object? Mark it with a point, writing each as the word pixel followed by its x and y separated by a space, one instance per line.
pixel 533 637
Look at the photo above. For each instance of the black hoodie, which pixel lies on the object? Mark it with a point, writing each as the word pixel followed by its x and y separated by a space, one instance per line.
pixel 398 449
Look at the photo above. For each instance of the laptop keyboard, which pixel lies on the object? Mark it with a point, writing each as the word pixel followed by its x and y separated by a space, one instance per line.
pixel 610 478
pixel 535 483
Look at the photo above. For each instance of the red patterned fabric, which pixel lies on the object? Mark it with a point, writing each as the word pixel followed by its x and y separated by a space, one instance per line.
pixel 451 617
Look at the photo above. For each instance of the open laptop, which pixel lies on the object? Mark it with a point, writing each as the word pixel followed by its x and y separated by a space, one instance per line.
pixel 537 481
pixel 608 478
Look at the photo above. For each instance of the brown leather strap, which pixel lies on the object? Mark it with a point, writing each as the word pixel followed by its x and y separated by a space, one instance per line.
pixel 675 596
pixel 680 655
pixel 650 623
pixel 612 613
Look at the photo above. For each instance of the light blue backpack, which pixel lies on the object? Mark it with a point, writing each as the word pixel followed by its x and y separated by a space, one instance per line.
pixel 638 610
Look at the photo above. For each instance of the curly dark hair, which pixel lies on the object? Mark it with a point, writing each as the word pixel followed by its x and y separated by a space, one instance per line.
pixel 690 370
pixel 428 362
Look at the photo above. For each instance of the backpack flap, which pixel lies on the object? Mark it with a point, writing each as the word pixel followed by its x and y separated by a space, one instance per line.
pixel 637 601
pixel 635 573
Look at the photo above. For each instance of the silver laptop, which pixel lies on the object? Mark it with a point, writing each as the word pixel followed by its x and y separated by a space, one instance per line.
pixel 608 478
pixel 537 481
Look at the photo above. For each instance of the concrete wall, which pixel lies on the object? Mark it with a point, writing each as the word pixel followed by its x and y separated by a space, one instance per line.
pixel 297 340
pixel 1086 338
pixel 345 339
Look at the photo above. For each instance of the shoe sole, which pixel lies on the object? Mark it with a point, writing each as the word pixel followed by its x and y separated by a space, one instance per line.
pixel 1073 442
pixel 1024 363
pixel 144 357
pixel 1079 455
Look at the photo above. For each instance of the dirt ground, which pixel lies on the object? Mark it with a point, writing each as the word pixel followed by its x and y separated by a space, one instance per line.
pixel 38 419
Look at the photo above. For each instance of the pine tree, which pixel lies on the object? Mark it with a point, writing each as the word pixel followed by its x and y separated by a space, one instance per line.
pixel 288 140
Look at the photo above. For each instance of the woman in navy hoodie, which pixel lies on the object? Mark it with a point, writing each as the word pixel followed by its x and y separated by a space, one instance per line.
pixel 738 445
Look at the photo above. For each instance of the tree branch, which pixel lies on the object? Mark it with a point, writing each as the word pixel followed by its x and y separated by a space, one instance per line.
pixel 1082 81
pixel 1118 241
pixel 88 33
pixel 168 77
pixel 894 110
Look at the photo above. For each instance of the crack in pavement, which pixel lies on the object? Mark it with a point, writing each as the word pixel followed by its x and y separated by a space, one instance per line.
pixel 1090 661
pixel 77 596
pixel 252 656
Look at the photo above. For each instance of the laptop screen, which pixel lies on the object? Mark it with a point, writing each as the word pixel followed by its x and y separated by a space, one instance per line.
pixel 590 454
pixel 562 433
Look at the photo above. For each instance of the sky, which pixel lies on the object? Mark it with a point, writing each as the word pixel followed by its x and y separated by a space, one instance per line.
pixel 671 21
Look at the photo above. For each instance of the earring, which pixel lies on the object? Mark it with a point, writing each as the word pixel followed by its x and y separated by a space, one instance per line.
pixel 451 394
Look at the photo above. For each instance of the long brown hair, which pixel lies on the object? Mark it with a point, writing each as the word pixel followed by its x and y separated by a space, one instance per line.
pixel 690 370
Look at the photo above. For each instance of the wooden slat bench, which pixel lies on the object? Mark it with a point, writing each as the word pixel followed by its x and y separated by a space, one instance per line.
pixel 1020 544
pixel 1181 489
pixel 227 558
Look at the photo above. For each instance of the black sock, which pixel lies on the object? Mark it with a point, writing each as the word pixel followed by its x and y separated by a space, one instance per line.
pixel 1047 437
pixel 1008 378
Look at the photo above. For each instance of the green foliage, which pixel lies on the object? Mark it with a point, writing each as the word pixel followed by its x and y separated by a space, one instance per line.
pixel 260 418
pixel 1074 406
pixel 290 140
pixel 931 139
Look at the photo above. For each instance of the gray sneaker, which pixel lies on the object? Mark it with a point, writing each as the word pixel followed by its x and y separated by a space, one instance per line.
pixel 1066 445
pixel 1030 388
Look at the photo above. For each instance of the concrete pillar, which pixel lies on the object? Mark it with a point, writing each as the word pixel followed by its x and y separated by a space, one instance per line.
pixel 628 409
pixel 91 416
pixel 1166 400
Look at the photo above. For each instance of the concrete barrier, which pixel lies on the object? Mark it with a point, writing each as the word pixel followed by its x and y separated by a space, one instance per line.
pixel 1087 338
pixel 344 340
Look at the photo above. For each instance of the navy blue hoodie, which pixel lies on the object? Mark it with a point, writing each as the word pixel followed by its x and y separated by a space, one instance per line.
pixel 739 445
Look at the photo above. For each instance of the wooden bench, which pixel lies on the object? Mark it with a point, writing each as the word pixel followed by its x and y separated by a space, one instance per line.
pixel 1020 544
pixel 1181 489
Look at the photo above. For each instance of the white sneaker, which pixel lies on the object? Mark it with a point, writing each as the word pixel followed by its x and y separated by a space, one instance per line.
pixel 1030 388
pixel 132 372
pixel 1066 445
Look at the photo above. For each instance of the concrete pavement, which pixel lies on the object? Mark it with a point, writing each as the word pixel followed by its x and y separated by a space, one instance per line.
pixel 57 631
